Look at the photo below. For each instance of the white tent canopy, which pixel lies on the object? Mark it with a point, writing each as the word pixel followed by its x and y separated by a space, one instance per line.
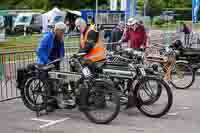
pixel 78 13
pixel 52 17
pixel 54 12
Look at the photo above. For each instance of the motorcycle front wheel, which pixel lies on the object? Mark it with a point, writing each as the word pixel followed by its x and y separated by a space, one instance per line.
pixel 158 92
pixel 103 103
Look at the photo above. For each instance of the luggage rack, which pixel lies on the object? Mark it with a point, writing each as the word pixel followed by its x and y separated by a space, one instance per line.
pixel 152 54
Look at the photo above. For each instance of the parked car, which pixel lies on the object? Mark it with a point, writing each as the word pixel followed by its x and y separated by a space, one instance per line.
pixel 168 16
pixel 32 22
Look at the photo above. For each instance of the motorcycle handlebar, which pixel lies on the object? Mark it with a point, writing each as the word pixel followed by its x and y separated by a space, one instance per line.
pixel 55 61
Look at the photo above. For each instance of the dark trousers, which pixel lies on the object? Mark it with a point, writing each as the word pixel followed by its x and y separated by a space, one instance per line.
pixel 52 86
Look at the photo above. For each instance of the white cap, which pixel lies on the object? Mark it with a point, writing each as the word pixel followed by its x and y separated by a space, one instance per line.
pixel 60 26
pixel 132 21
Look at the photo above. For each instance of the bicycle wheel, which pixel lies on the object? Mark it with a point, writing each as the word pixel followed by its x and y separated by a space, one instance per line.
pixel 161 103
pixel 33 94
pixel 182 76
pixel 103 103
pixel 152 94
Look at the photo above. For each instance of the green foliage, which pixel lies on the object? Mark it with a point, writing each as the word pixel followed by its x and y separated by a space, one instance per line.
pixel 158 21
pixel 89 4
pixel 178 3
pixel 154 7
pixel 140 3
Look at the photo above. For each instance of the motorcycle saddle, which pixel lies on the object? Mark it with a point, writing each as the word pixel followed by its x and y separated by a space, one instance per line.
pixel 44 68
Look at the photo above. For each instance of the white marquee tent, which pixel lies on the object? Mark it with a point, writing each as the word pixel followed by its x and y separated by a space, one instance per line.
pixel 52 17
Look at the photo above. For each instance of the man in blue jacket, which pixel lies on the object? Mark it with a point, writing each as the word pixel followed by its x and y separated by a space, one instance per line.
pixel 51 47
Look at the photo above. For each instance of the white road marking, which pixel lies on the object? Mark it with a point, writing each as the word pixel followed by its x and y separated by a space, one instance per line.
pixel 42 120
pixel 173 114
pixel 136 129
pixel 49 122
pixel 53 123
pixel 185 108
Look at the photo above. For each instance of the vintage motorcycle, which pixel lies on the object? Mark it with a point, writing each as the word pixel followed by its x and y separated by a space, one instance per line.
pixel 95 97
pixel 135 86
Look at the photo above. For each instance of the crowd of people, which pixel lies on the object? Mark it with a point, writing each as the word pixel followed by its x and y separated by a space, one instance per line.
pixel 135 34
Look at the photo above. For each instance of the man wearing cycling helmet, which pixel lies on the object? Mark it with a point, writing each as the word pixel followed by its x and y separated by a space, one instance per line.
pixel 51 47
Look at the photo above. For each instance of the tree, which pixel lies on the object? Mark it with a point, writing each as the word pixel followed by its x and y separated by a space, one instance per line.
pixel 154 8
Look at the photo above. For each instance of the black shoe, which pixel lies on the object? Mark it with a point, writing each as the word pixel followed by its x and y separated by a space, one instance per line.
pixel 50 108
pixel 131 102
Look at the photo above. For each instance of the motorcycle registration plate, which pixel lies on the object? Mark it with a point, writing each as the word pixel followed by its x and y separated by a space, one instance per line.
pixel 86 72
pixel 142 71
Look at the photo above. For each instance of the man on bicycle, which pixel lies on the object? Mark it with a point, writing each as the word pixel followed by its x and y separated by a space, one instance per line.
pixel 51 47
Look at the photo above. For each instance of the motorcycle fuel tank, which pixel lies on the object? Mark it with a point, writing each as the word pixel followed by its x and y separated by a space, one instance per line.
pixel 118 71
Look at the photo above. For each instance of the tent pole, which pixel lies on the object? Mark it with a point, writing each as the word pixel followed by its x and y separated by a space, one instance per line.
pixel 96 12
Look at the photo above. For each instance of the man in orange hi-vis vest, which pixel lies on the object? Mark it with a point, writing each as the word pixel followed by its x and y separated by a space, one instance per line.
pixel 93 46
pixel 91 42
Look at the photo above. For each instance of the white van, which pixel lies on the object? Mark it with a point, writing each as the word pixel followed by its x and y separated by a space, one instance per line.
pixel 32 22
pixel 1 22
pixel 2 29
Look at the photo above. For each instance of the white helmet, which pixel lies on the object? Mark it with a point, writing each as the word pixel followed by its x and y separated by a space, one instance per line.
pixel 132 21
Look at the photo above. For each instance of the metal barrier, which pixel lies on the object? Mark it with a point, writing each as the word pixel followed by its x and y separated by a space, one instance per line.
pixel 192 40
pixel 189 40
pixel 11 61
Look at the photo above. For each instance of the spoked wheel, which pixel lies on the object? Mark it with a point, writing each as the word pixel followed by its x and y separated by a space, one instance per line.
pixel 154 97
pixel 152 94
pixel 103 103
pixel 33 94
pixel 182 76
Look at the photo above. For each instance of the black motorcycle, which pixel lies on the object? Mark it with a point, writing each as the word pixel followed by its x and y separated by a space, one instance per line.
pixel 96 98
pixel 135 86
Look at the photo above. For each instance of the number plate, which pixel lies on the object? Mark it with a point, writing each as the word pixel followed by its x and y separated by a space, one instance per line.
pixel 142 71
pixel 86 72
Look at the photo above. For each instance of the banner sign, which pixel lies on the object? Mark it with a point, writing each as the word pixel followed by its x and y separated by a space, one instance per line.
pixel 113 5
pixel 195 9
pixel 123 5
pixel 131 8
